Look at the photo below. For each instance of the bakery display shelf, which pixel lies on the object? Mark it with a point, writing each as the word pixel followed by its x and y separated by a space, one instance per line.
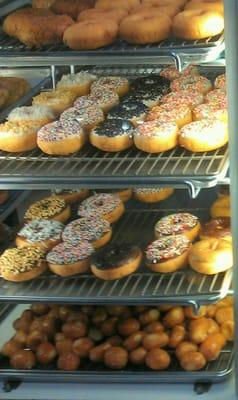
pixel 137 224
pixel 16 197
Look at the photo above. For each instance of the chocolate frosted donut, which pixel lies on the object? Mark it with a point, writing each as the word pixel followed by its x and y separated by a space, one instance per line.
pixel 162 84
pixel 150 97
pixel 112 135
pixel 116 260
pixel 133 112
pixel 218 228
pixel 104 205
pixel 88 117
pixel 176 224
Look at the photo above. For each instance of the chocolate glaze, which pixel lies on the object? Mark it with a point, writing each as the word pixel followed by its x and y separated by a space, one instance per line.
pixel 114 127
pixel 140 96
pixel 128 110
pixel 162 84
pixel 115 256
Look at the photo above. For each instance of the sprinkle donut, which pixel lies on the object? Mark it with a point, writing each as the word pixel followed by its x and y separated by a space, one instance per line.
pixel 88 117
pixel 149 98
pixel 83 102
pixel 91 229
pixel 210 110
pixel 217 96
pixel 172 72
pixel 113 135
pixel 66 260
pixel 52 207
pixel 104 205
pixel 152 195
pixel 186 97
pixel 192 82
pixel 117 84
pixel 168 254
pixel 220 82
pixel 167 112
pixel 105 99
pixel 177 224
pixel 156 136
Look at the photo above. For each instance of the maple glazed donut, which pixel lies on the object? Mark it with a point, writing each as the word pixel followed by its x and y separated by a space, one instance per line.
pixel 204 135
pixel 168 254
pixel 195 83
pixel 177 224
pixel 217 228
pixel 61 137
pixel 22 264
pixel 104 205
pixel 52 207
pixel 67 260
pixel 186 97
pixel 220 82
pixel 167 112
pixel 152 195
pixel 40 232
pixel 79 83
pixel 113 135
pixel 172 72
pixel 95 230
pixel 156 136
pixel 88 117
pixel 18 136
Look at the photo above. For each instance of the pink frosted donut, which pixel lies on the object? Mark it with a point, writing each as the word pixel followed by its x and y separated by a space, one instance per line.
pixel 210 110
pixel 191 82
pixel 217 97
pixel 103 205
pixel 220 82
pixel 172 73
pixel 88 117
pixel 117 84
pixel 177 224
pixel 185 97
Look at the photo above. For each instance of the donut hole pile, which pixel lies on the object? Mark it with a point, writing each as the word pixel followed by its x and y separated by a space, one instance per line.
pixel 68 337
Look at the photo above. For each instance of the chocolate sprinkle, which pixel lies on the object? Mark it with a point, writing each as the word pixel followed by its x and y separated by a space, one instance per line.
pixel 113 128
pixel 128 111
pixel 115 255
pixel 162 84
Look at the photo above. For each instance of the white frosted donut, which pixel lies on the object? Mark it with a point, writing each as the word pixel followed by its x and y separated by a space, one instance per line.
pixel 80 83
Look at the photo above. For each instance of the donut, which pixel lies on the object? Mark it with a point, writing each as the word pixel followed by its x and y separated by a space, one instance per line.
pixel 168 254
pixel 152 195
pixel 124 4
pixel 79 83
pixel 123 194
pixel 140 29
pixel 178 224
pixel 22 264
pixel 88 117
pixel 172 72
pixel 113 135
pixel 206 5
pixel 117 84
pixel 220 82
pixel 37 115
pixel 104 205
pixel 210 110
pixel 194 83
pixel 223 191
pixel 105 99
pixel 167 112
pixel 186 97
pixel 156 136
pixel 204 135
pixel 40 232
pixel 151 82
pixel 67 260
pixel 71 196
pixel 23 359
pixel 95 230
pixel 218 228
pixel 18 136
pixel 84 102
pixel 115 261
pixel 90 35
pixel 149 98
pixel 116 14
pixel 52 207
pixel 217 97
pixel 158 3
pixel 133 112
pixel 221 208
pixel 170 10
pixel 56 100
pixel 211 256
pixel 116 357
pixel 42 3
pixel 71 7
pixel 197 24
pixel 61 137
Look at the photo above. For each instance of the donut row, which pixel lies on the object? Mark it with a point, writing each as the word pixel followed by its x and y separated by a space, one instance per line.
pixel 66 337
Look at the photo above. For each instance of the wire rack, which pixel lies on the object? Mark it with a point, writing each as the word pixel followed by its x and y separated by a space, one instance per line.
pixel 16 197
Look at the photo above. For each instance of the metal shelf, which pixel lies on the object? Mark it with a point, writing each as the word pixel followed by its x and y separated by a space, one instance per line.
pixel 15 198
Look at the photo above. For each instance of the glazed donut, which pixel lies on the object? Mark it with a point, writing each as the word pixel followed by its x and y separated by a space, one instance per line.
pixel 79 83
pixel 156 136
pixel 23 359
pixel 71 7
pixel 18 136
pixel 192 361
pixel 113 135
pixel 178 224
pixel 121 4
pixel 204 135
pixel 104 205
pixel 67 260
pixel 37 115
pixel 210 110
pixel 212 346
pixel 133 112
pixel 220 82
pixel 194 83
pixel 61 137
pixel 40 232
pixel 167 112
pixel 22 264
pixel 88 117
pixel 168 254
pixel 197 24
pixel 211 256
pixel 157 359
pixel 218 228
pixel 117 84
pixel 90 229
pixel 206 5
pixel 158 3
pixel 116 261
pixel 152 195
pixel 68 361
pixel 217 97
pixel 172 72
pixel 71 196
pixel 221 208
pixel 144 9
pixel 143 29
pixel 116 357
pixel 186 97
pixel 116 14
pixel 105 99
pixel 56 100
pixel 52 207
pixel 90 35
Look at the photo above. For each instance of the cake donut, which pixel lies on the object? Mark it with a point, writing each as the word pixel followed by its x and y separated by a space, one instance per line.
pixel 195 83
pixel 168 254
pixel 79 83
pixel 40 232
pixel 186 97
pixel 117 84
pixel 152 195
pixel 133 112
pixel 88 117
pixel 167 112
pixel 22 264
pixel 221 207
pixel 18 136
pixel 220 82
pixel 156 136
pixel 56 100
pixel 67 260
pixel 115 261
pixel 151 82
pixel 71 196
pixel 104 205
pixel 38 115
pixel 52 207
pixel 113 135
pixel 95 230
pixel 185 224
pixel 211 256
pixel 204 135
pixel 61 137
pixel 172 72
pixel 217 228
pixel 210 110
pixel 217 97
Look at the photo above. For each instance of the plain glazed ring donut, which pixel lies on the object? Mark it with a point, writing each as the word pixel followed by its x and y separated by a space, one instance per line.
pixel 211 256
pixel 220 82
pixel 185 97
pixel 152 195
pixel 194 83
pixel 168 254
pixel 104 205
pixel 178 224
pixel 221 207
pixel 217 228
pixel 156 136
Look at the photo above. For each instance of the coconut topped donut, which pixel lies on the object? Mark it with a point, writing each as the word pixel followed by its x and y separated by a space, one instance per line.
pixel 196 83
pixel 99 205
pixel 59 130
pixel 167 248
pixel 65 253
pixel 85 229
pixel 31 113
pixel 220 82
pixel 54 96
pixel 41 229
pixel 20 260
pixel 17 128
pixel 46 208
pixel 175 224
pixel 79 78
pixel 186 97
